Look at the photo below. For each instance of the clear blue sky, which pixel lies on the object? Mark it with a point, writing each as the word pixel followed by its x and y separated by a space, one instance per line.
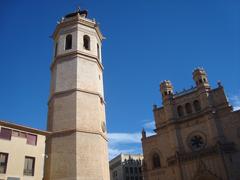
pixel 147 42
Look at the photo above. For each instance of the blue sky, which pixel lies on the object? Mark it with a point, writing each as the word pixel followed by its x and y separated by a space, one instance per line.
pixel 147 42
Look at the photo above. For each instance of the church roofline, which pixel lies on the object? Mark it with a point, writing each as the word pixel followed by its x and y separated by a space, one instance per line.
pixel 185 92
pixel 192 90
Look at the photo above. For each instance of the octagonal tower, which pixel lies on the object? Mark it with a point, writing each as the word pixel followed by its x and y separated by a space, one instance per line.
pixel 77 147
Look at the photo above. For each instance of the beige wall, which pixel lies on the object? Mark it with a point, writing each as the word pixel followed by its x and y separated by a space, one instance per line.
pixel 17 148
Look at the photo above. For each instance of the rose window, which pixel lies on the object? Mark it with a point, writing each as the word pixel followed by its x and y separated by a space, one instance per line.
pixel 197 142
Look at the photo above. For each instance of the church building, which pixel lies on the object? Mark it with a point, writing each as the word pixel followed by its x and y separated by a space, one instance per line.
pixel 197 135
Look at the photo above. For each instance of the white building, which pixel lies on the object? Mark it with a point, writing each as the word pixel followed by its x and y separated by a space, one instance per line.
pixel 126 167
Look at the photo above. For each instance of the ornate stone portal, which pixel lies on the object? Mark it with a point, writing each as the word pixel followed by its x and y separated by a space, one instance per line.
pixel 77 147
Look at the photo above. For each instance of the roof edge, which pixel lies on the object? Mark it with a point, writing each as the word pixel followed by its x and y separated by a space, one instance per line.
pixel 23 128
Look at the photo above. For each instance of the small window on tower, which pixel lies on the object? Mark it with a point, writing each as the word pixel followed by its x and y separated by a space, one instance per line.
pixel 68 42
pixel 86 42
pixel 98 52
pixel 56 49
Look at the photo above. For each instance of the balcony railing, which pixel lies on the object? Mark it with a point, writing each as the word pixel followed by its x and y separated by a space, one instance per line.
pixel 2 168
pixel 28 172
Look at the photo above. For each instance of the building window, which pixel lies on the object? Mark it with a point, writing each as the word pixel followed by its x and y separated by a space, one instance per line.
pixel 131 170
pixel 126 170
pixel 140 170
pixel 114 173
pixel 31 139
pixel 56 49
pixel 136 178
pixel 132 178
pixel 135 170
pixel 127 178
pixel 98 52
pixel 29 166
pixel 197 142
pixel 68 42
pixel 156 161
pixel 197 105
pixel 180 111
pixel 5 133
pixel 86 42
pixel 188 108
pixel 3 162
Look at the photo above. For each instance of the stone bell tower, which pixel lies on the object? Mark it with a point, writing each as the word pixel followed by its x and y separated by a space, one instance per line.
pixel 77 146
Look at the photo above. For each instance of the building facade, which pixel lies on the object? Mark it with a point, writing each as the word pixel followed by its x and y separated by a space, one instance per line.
pixel 77 147
pixel 126 167
pixel 197 135
pixel 22 152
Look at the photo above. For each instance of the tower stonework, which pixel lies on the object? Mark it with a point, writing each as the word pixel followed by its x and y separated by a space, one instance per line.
pixel 77 146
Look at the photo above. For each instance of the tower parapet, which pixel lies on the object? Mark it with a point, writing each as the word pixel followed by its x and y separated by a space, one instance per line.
pixel 200 78
pixel 166 89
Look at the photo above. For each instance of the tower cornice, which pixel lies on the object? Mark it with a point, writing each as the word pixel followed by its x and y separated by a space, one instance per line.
pixel 78 20
pixel 74 90
pixel 88 57
pixel 70 131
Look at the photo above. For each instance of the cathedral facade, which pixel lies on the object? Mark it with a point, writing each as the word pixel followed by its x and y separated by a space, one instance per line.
pixel 197 135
